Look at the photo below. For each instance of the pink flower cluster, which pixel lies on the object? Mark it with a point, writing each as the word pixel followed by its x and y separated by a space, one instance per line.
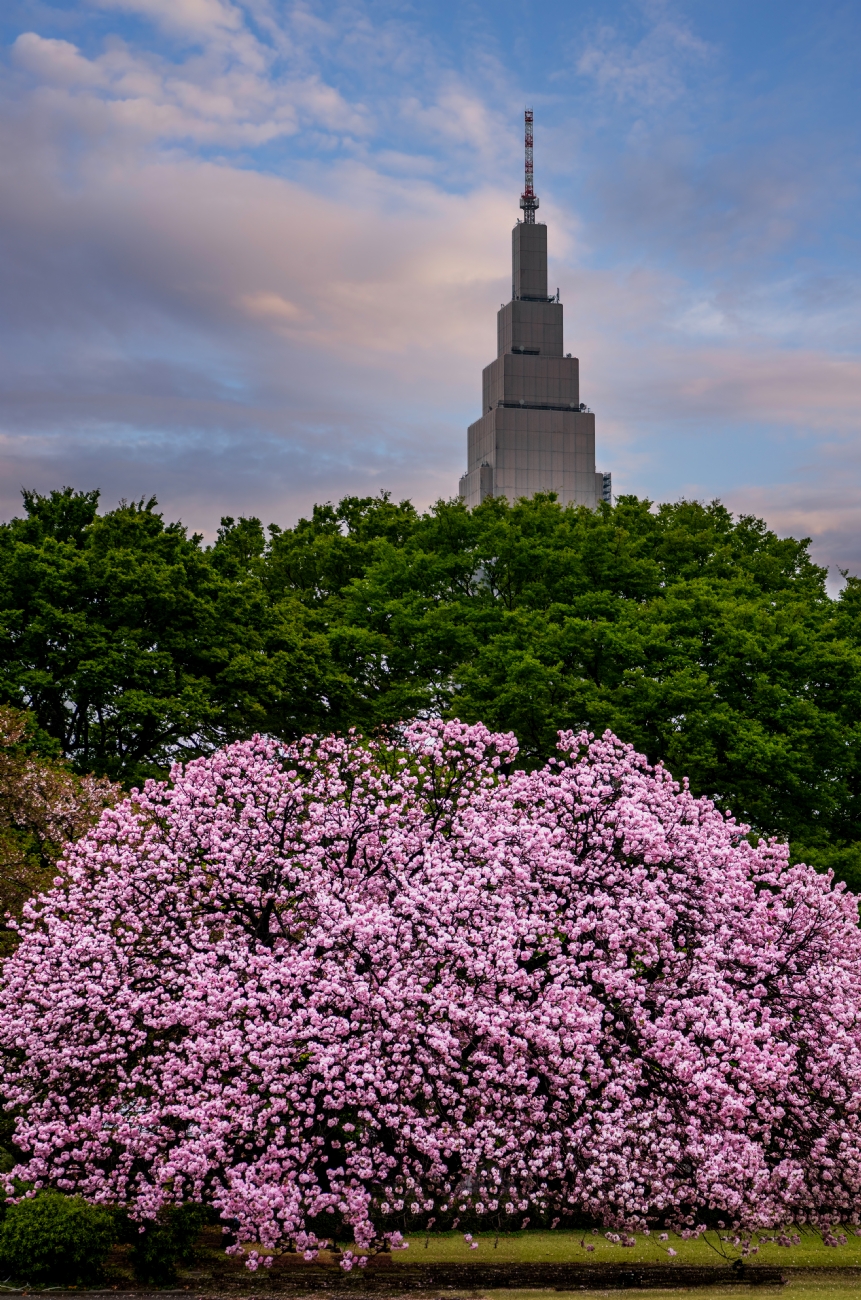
pixel 391 981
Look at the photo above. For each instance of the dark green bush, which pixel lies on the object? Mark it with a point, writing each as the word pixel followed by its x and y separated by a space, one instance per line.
pixel 51 1238
pixel 165 1243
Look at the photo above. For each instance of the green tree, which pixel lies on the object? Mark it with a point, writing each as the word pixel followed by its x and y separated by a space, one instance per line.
pixel 133 645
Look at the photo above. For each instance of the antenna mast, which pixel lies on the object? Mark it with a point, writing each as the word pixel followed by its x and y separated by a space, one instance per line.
pixel 528 201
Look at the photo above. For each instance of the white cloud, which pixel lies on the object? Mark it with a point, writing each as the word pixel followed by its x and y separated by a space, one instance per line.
pixel 59 63
pixel 226 91
pixel 270 306
pixel 652 72
pixel 199 17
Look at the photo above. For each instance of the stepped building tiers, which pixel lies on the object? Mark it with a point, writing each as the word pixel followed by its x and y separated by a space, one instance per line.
pixel 534 434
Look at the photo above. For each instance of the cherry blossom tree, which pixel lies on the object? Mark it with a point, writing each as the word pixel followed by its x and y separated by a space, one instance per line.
pixel 397 982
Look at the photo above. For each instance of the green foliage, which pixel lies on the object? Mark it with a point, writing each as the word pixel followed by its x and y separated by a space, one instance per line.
pixel 844 859
pixel 53 1239
pixel 134 646
pixel 56 1239
pixel 706 641
pixel 42 805
pixel 158 1248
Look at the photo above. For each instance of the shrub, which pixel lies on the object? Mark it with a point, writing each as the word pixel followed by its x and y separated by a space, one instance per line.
pixel 55 1239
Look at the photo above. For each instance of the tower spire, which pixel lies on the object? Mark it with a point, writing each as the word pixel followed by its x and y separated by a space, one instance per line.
pixel 528 201
pixel 534 434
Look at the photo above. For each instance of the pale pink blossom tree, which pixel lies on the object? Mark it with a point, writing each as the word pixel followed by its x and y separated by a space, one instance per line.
pixel 396 982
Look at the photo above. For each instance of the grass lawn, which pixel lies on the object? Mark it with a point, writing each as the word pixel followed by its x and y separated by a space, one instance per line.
pixel 555 1247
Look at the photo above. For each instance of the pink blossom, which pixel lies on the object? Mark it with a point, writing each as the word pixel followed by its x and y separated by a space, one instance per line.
pixel 316 979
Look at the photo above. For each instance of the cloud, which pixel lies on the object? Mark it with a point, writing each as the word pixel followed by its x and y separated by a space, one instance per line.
pixel 228 91
pixel 58 62
pixel 651 72
pixel 199 328
pixel 270 306
pixel 201 17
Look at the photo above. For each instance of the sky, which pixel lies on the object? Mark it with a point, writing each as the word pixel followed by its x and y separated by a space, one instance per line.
pixel 251 253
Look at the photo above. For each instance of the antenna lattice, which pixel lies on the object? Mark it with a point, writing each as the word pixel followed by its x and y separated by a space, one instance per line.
pixel 528 201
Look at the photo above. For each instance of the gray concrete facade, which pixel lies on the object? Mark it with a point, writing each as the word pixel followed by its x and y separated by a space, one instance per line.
pixel 533 435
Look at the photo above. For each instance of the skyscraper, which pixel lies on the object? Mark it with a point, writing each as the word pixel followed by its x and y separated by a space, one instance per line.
pixel 534 434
